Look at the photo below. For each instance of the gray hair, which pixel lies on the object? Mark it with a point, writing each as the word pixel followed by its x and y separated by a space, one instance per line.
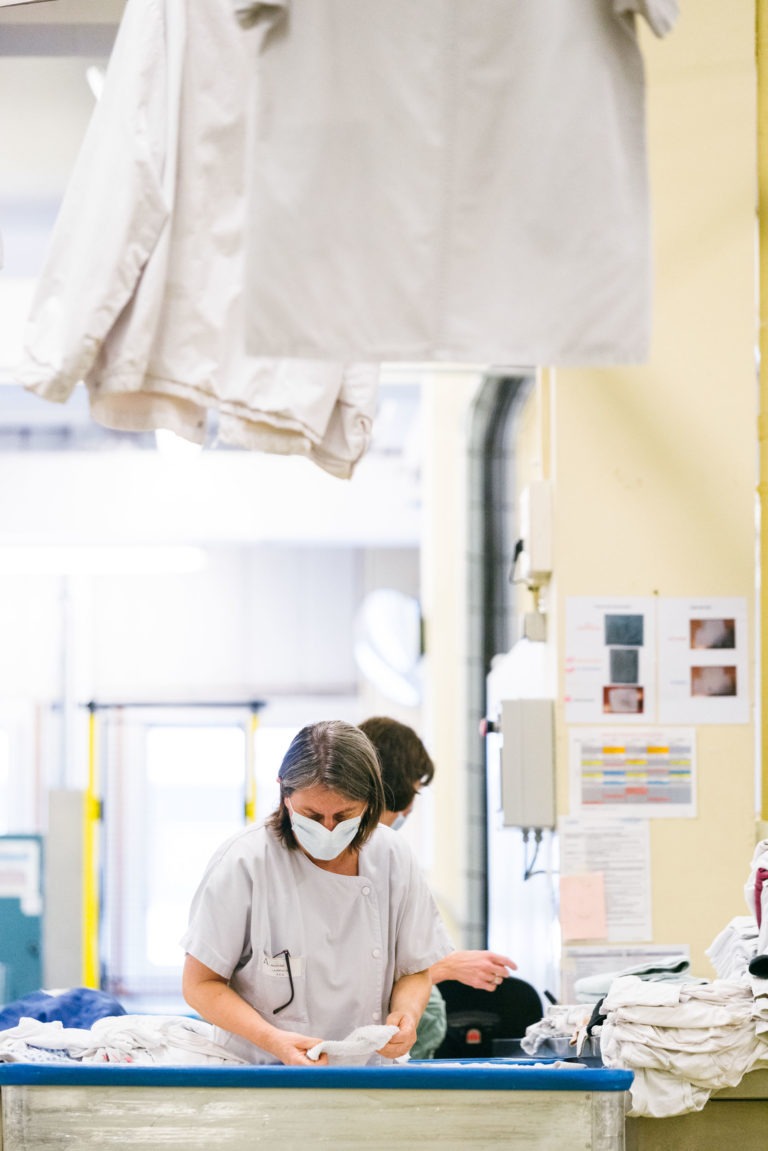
pixel 338 756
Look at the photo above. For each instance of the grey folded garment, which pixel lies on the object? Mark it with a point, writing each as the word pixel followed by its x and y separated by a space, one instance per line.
pixel 592 988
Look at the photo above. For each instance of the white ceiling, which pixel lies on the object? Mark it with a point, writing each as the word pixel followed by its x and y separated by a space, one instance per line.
pixel 46 50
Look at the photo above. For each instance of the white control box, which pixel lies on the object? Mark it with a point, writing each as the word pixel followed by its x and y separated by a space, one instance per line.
pixel 536 531
pixel 528 763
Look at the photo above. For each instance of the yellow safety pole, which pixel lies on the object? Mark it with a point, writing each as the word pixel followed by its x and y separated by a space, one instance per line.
pixel 250 769
pixel 90 882
pixel 761 47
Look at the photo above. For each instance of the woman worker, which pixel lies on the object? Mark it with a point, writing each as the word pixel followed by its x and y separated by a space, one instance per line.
pixel 315 922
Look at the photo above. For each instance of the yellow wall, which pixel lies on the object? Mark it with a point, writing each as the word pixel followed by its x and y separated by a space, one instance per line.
pixel 655 466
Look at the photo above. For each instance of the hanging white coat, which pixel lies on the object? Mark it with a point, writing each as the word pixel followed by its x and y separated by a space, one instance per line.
pixel 141 293
pixel 450 180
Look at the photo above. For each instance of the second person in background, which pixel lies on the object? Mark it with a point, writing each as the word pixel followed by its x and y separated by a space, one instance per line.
pixel 406 767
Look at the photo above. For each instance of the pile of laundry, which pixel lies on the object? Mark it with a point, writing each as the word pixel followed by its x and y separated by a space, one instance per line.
pixel 685 1040
pixel 562 1028
pixel 85 1025
pixel 682 1040
pixel 141 1039
pixel 683 1037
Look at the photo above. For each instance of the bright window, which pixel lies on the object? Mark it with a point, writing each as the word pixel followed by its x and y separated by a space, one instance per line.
pixel 271 744
pixel 195 797
pixel 173 793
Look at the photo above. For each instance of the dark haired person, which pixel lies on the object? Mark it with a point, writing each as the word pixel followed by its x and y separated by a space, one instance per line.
pixel 317 921
pixel 406 767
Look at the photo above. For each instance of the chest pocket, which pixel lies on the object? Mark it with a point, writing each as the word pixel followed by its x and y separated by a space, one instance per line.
pixel 275 985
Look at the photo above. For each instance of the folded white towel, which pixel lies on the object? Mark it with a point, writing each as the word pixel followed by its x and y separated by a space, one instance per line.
pixel 358 1046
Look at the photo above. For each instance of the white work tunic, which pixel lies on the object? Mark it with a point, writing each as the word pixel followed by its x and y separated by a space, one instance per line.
pixel 350 938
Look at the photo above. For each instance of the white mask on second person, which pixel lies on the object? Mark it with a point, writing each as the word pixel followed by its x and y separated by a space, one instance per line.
pixel 318 841
pixel 397 822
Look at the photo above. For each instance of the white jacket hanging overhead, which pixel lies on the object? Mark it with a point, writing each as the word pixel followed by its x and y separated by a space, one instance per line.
pixel 141 293
pixel 450 180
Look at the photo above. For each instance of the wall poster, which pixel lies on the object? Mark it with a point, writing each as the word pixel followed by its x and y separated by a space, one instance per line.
pixel 610 659
pixel 647 660
pixel 633 771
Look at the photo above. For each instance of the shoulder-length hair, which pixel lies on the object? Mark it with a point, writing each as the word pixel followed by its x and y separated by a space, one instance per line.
pixel 338 756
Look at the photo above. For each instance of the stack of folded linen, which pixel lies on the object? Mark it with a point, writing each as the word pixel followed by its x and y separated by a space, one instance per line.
pixel 682 1041
pixel 760 991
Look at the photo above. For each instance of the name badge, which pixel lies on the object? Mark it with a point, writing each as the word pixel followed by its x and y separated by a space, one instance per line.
pixel 277 967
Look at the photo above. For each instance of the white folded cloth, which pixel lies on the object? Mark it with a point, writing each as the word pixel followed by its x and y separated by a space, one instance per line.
pixel 358 1046
pixel 732 950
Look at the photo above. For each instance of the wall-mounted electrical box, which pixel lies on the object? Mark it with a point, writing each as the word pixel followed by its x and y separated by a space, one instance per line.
pixel 528 763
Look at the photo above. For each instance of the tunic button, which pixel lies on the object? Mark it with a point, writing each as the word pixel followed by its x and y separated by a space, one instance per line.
pixel 376 952
pixel 376 1015
pixel 366 891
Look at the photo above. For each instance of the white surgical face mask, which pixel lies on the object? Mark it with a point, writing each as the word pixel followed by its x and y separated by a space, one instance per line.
pixel 318 841
pixel 397 822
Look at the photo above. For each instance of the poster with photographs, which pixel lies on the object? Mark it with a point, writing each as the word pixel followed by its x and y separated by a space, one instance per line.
pixel 647 660
pixel 610 659
pixel 703 661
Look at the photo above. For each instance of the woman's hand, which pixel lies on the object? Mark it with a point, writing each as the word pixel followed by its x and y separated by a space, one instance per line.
pixel 405 1037
pixel 406 1006
pixel 291 1049
pixel 481 969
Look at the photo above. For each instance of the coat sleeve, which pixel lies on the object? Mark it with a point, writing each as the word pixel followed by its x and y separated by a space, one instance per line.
pixel 218 932
pixel 115 207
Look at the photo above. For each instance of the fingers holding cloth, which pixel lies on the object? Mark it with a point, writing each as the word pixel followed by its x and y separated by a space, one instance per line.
pixel 357 1048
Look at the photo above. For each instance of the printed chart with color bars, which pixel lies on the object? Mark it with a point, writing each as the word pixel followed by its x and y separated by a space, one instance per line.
pixel 652 773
